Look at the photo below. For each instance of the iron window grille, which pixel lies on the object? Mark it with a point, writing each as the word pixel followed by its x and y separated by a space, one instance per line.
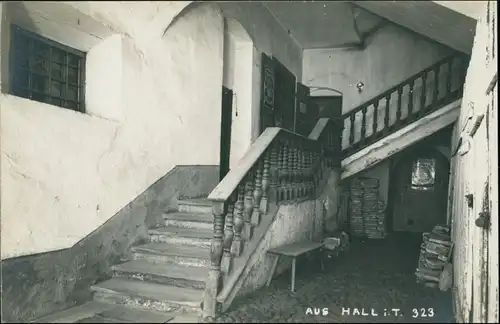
pixel 46 71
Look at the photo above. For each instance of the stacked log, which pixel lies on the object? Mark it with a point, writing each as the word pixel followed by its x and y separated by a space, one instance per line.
pixel 367 211
pixel 435 253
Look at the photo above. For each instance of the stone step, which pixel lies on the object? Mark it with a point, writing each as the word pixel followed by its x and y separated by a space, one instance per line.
pixel 92 312
pixel 149 296
pixel 195 205
pixel 128 314
pixel 182 236
pixel 189 220
pixel 194 256
pixel 167 274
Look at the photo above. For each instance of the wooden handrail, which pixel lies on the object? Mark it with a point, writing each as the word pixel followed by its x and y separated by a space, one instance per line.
pixel 401 85
pixel 404 101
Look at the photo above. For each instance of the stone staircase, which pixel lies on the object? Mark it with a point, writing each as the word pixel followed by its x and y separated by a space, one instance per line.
pixel 164 281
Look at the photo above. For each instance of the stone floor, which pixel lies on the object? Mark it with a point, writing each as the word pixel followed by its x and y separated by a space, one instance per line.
pixel 374 276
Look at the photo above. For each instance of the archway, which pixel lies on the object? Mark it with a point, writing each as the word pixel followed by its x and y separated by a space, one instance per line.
pixel 418 190
pixel 240 75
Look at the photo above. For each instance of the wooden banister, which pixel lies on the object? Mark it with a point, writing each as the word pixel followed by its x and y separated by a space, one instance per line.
pixel 425 86
pixel 280 167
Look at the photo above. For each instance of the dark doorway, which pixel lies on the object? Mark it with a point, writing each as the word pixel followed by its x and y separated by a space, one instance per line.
pixel 225 131
pixel 419 190
pixel 284 96
pixel 328 106
pixel 306 111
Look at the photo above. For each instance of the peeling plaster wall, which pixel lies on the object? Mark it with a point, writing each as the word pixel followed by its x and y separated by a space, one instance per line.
pixel 39 284
pixel 475 172
pixel 65 173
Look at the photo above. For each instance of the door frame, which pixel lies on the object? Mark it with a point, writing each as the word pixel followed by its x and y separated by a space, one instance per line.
pixel 403 157
pixel 225 131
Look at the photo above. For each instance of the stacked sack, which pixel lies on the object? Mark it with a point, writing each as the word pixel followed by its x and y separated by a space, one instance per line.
pixel 435 253
pixel 367 212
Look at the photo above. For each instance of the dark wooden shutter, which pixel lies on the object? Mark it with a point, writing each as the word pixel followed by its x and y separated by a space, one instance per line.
pixel 267 93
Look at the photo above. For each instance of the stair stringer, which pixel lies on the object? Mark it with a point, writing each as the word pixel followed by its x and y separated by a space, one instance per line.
pixel 401 139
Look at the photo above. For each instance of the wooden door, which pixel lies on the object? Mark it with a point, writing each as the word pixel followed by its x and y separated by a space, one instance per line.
pixel 225 131
pixel 267 107
pixel 306 111
pixel 284 96
pixel 420 194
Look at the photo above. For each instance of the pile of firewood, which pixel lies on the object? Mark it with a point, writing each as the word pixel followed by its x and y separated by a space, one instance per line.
pixel 367 211
pixel 435 255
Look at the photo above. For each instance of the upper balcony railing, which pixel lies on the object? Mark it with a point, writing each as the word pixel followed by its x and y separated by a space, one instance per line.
pixel 415 97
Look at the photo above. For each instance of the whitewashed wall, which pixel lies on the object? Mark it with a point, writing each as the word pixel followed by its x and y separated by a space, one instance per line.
pixel 65 173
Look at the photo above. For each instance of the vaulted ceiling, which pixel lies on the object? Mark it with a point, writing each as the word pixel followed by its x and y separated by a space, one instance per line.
pixel 327 24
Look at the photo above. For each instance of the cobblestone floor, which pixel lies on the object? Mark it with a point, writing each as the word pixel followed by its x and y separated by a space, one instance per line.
pixel 373 274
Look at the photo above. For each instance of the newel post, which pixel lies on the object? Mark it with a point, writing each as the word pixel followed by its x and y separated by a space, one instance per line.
pixel 214 272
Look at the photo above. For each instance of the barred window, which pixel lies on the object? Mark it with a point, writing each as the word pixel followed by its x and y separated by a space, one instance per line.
pixel 46 71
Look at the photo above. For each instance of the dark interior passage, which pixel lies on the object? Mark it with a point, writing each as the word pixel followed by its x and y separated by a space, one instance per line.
pixel 371 274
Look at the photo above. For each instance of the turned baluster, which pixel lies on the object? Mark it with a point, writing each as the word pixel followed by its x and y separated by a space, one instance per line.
pixel 283 160
pixel 257 193
pixel 448 77
pixel 227 257
pixel 265 182
pixel 375 119
pixel 274 173
pixel 290 171
pixel 387 112
pixel 410 100
pixel 423 95
pixel 300 172
pixel 214 272
pixel 237 246
pixel 306 172
pixel 311 173
pixel 436 85
pixel 363 124
pixel 352 118
pixel 248 207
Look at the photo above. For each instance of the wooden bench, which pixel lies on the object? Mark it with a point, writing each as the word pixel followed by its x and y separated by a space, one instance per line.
pixel 294 251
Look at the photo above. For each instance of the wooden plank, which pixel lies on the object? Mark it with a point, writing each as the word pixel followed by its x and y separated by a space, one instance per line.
pixel 295 249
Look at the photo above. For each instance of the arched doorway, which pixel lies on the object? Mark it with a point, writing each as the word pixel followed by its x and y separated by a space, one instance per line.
pixel 238 112
pixel 419 191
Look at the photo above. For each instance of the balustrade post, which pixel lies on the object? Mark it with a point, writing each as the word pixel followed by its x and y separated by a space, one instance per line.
pixel 274 172
pixel 248 207
pixel 227 257
pixel 449 77
pixel 214 272
pixel 289 171
pixel 423 96
pixel 411 115
pixel 363 125
pixel 257 193
pixel 265 182
pixel 282 171
pixel 352 119
pixel 436 85
pixel 302 172
pixel 237 245
pixel 375 119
